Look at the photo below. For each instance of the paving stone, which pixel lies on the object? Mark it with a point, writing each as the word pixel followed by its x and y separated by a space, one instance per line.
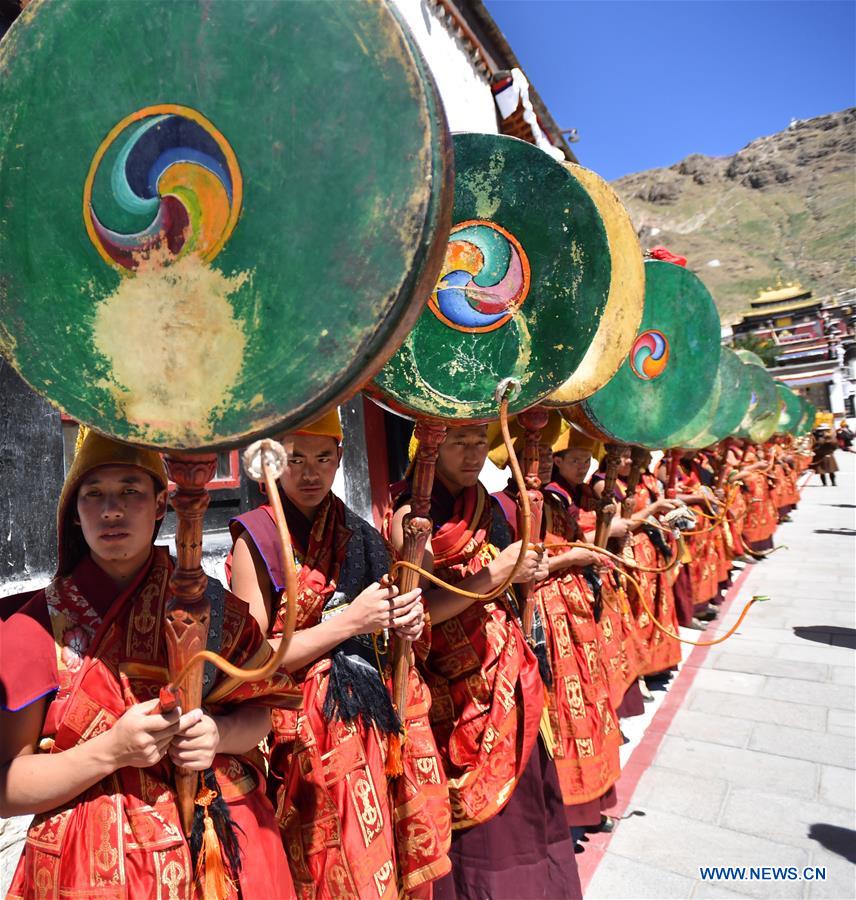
pixel 831 749
pixel 680 845
pixel 618 876
pixel 12 834
pixel 835 695
pixel 744 645
pixel 840 879
pixel 680 794
pixel 776 668
pixel 779 816
pixel 715 730
pixel 837 786
pixel 814 651
pixel 776 635
pixel 762 709
pixel 746 768
pixel 714 890
pixel 841 721
pixel 729 682
pixel 842 675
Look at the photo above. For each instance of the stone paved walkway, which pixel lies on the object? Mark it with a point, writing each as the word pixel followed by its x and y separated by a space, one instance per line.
pixel 749 760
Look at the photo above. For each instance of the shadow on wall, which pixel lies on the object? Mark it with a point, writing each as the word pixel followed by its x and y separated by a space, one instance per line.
pixel 841 841
pixel 834 635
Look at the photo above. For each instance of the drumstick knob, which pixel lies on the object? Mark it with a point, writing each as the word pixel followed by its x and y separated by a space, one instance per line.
pixel 261 453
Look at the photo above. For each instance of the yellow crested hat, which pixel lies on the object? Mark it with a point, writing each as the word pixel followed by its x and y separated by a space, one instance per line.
pixel 574 439
pixel 556 426
pixel 93 450
pixel 326 426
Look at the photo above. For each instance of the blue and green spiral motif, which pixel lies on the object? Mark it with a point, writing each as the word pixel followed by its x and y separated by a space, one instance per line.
pixel 164 181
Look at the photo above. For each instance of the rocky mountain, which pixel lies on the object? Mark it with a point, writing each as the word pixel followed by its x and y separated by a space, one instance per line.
pixel 783 207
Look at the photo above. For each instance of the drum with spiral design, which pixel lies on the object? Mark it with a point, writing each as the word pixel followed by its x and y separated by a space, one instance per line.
pixel 669 372
pixel 202 240
pixel 521 293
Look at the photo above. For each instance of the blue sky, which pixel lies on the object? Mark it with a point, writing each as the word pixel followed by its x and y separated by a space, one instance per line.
pixel 647 82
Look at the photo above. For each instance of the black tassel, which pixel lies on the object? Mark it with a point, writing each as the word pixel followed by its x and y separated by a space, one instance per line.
pixel 540 651
pixel 658 541
pixel 355 689
pixel 223 824
pixel 596 586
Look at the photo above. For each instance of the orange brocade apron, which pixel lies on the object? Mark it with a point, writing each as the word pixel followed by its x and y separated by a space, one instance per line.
pixel 761 518
pixel 659 651
pixel 582 717
pixel 122 837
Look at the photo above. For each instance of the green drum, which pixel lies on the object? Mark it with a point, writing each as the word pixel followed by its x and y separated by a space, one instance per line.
pixel 521 292
pixel 807 419
pixel 624 304
pixel 208 230
pixel 749 357
pixel 670 371
pixel 761 418
pixel 725 408
pixel 792 410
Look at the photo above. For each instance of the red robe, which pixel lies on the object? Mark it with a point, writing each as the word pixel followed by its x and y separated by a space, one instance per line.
pixel 619 622
pixel 510 838
pixel 348 830
pixel 702 546
pixel 660 651
pixel 582 716
pixel 122 837
pixel 760 522
pixel 486 692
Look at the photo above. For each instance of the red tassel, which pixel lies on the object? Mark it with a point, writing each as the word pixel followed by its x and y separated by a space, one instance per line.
pixel 394 763
pixel 211 875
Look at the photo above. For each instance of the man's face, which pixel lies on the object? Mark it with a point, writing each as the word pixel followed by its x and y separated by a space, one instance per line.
pixel 462 456
pixel 312 464
pixel 573 465
pixel 545 463
pixel 117 507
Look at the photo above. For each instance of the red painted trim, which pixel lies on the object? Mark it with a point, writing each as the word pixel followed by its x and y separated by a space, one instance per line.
pixel 644 754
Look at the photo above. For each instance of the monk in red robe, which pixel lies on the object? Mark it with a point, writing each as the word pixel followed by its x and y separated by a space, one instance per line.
pixel 761 519
pixel 583 733
pixel 510 837
pixel 568 480
pixel 348 829
pixel 634 621
pixel 82 744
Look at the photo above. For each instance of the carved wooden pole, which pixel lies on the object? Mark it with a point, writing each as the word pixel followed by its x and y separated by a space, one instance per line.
pixel 532 421
pixel 607 499
pixel 674 462
pixel 639 459
pixel 722 472
pixel 187 609
pixel 417 526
